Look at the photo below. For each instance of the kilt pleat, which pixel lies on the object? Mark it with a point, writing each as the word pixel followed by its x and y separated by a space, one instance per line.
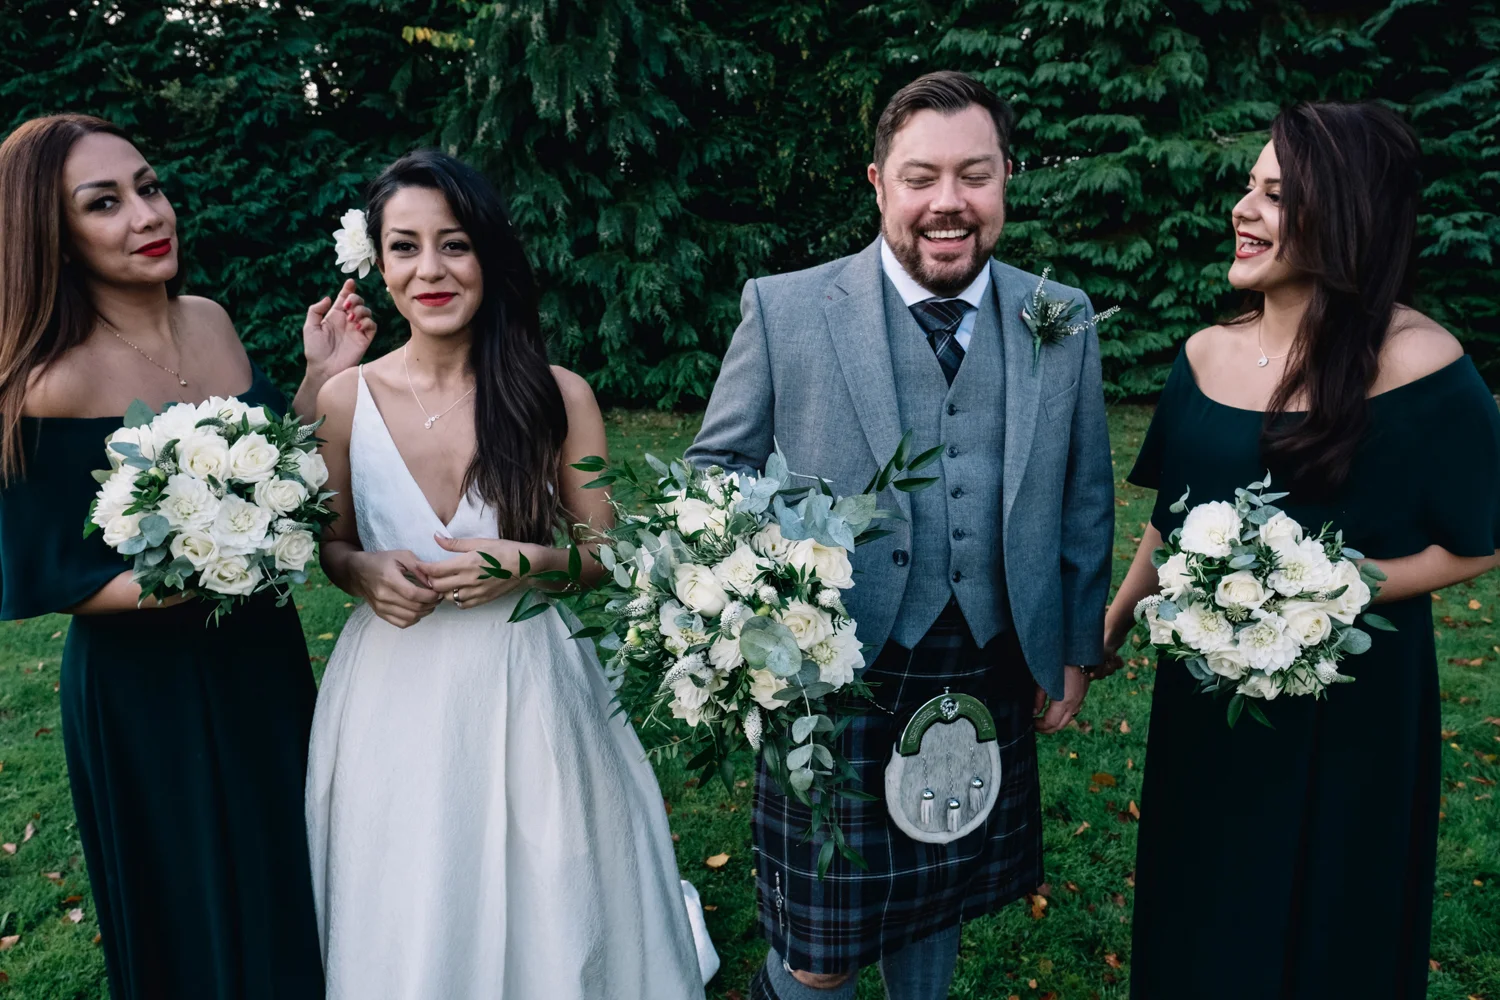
pixel 852 917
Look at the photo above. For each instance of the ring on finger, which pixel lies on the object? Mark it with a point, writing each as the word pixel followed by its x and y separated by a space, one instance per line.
pixel 457 601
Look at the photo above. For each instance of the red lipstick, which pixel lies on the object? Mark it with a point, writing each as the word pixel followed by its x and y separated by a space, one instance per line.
pixel 435 299
pixel 159 248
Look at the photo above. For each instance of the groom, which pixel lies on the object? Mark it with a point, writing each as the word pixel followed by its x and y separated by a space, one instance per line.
pixel 994 584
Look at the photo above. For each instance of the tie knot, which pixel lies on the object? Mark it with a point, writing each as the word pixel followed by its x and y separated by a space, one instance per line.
pixel 939 315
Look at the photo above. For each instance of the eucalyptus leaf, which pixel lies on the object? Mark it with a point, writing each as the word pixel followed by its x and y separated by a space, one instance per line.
pixel 800 756
pixel 776 468
pixel 769 645
pixel 1244 561
pixel 1355 641
pixel 133 546
pixel 1181 504
pixel 1167 611
pixel 856 511
pixel 803 727
pixel 1380 622
pixel 822 754
pixel 137 414
pixel 800 779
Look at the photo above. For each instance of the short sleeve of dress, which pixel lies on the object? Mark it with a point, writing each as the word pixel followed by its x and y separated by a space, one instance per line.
pixel 46 565
pixel 1146 472
pixel 1461 507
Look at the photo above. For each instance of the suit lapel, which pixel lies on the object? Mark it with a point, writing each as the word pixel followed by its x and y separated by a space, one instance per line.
pixel 854 307
pixel 1022 384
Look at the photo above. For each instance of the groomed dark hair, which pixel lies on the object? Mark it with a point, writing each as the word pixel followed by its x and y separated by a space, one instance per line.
pixel 1350 193
pixel 520 421
pixel 45 309
pixel 947 91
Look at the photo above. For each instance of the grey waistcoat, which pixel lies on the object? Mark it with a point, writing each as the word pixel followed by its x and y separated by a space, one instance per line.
pixel 956 548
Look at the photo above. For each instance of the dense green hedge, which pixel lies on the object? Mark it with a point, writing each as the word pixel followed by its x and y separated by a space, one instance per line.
pixel 656 154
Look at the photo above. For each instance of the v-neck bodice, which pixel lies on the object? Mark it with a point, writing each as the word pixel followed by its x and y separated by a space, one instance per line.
pixel 390 509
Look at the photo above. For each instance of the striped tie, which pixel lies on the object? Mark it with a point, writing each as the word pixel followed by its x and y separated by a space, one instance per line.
pixel 940 318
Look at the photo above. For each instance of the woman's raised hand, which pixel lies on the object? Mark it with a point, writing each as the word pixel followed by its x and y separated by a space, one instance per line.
pixel 337 331
pixel 393 586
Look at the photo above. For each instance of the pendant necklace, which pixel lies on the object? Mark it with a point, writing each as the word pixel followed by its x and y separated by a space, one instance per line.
pixel 172 326
pixel 1263 359
pixel 432 418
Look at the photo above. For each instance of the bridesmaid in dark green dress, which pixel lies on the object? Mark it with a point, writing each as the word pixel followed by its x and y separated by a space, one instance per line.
pixel 1299 861
pixel 186 743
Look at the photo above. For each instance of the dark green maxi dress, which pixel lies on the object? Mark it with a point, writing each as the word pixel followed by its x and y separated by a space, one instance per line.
pixel 1299 862
pixel 186 748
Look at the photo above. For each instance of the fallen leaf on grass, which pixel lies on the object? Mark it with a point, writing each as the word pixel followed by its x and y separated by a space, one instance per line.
pixel 717 861
pixel 71 900
pixel 1432 964
pixel 9 941
pixel 1107 780
pixel 1112 960
pixel 1130 880
pixel 1124 726
pixel 54 877
pixel 1081 827
pixel 1118 899
pixel 1031 983
pixel 76 915
pixel 326 635
pixel 1474 605
pixel 1134 810
pixel 1071 886
pixel 57 635
pixel 1038 911
pixel 41 732
pixel 8 848
pixel 98 938
pixel 29 833
pixel 1484 781
pixel 1049 995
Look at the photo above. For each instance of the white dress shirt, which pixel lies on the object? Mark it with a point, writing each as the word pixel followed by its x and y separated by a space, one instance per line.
pixel 911 293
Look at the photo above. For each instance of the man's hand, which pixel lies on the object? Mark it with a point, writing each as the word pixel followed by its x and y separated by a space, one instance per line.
pixel 1059 713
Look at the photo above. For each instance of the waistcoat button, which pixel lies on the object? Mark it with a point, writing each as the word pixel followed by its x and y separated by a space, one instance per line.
pixel 958 533
pixel 952 409
pixel 953 451
pixel 957 576
pixel 900 558
pixel 957 492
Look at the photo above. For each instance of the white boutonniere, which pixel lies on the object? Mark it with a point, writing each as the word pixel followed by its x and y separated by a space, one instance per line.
pixel 1050 320
pixel 352 243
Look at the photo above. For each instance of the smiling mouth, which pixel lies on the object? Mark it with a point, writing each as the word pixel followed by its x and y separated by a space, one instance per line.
pixel 436 298
pixel 946 237
pixel 1250 246
pixel 160 248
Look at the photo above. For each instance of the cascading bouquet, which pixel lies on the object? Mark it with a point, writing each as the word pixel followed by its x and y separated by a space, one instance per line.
pixel 721 612
pixel 219 498
pixel 1252 602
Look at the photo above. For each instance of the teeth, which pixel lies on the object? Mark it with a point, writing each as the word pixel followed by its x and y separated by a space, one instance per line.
pixel 946 234
pixel 1250 244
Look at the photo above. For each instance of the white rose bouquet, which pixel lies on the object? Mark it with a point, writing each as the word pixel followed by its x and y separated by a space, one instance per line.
pixel 1251 602
pixel 721 617
pixel 222 499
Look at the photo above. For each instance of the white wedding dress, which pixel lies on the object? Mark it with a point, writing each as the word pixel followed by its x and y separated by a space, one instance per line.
pixel 480 825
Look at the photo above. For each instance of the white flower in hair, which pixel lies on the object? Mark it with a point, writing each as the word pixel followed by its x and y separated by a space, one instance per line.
pixel 355 251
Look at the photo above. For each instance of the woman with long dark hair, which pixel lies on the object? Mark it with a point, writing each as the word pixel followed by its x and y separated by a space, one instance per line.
pixel 186 744
pixel 1298 861
pixel 480 825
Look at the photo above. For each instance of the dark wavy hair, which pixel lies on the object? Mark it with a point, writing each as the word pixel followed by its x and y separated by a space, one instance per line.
pixel 1350 193
pixel 520 421
pixel 45 309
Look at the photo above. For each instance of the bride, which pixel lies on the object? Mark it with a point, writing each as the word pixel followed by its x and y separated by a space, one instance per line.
pixel 480 826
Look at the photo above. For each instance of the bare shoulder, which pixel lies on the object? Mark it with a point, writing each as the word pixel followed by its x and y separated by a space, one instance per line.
pixel 56 391
pixel 337 399
pixel 1415 347
pixel 577 394
pixel 1205 345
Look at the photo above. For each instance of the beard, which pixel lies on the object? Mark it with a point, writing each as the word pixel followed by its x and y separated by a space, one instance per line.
pixel 955 276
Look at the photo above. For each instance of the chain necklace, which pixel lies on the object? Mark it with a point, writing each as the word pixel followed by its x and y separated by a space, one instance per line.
pixel 172 326
pixel 432 418
pixel 1263 359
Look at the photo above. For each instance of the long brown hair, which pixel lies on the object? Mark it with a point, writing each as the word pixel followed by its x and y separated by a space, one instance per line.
pixel 1350 191
pixel 45 310
pixel 520 421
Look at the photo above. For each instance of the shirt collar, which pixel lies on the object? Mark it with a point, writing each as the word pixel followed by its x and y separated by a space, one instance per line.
pixel 911 293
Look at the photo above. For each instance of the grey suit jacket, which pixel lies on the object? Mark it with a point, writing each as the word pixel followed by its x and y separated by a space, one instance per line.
pixel 809 367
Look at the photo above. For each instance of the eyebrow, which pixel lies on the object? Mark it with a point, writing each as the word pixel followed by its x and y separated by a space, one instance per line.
pixel 87 185
pixel 1269 180
pixel 963 164
pixel 413 232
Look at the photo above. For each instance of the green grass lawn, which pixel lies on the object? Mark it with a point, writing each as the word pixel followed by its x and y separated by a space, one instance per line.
pixel 1077 946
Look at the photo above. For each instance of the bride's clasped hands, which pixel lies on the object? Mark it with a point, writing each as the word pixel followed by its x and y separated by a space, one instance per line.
pixel 467 579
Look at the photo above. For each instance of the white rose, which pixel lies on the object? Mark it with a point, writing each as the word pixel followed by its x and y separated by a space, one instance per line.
pixel 696 588
pixel 725 654
pixel 198 547
pixel 121 528
pixel 829 564
pixel 1210 529
pixel 312 469
pixel 187 502
pixel 231 575
pixel 293 550
pixel 1163 632
pixel 770 543
pixel 117 493
pixel 739 571
pixel 175 423
pixel 141 437
pixel 1353 600
pixel 1302 568
pixel 1267 645
pixel 280 496
pixel 694 516
pixel 1227 661
pixel 691 714
pixel 240 526
pixel 1281 532
pixel 1241 590
pixel 1204 628
pixel 203 453
pixel 838 658
pixel 226 408
pixel 1173 577
pixel 1259 686
pixel 1307 621
pixel 763 688
pixel 252 459
pixel 808 623
pixel 694 685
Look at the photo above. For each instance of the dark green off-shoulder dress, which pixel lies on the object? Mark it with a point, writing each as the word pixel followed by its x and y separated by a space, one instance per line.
pixel 1299 862
pixel 186 748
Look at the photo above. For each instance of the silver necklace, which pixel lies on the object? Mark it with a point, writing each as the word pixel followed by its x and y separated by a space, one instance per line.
pixel 1263 359
pixel 432 418
pixel 172 326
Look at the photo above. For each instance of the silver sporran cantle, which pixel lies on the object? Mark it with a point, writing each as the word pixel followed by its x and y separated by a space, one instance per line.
pixel 944 774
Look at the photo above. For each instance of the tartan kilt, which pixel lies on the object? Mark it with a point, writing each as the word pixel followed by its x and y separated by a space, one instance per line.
pixel 852 917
